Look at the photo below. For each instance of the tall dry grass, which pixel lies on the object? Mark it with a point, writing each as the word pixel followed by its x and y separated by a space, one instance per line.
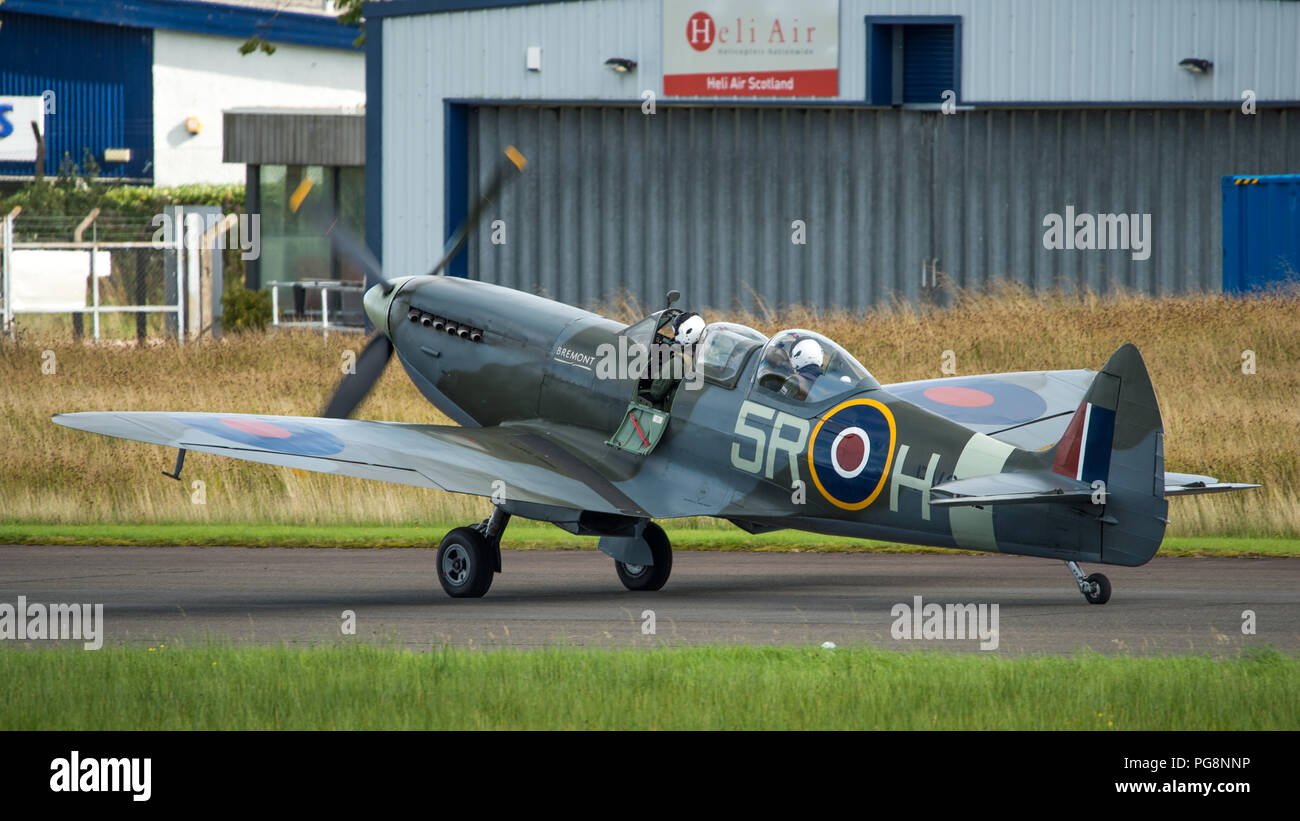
pixel 1218 420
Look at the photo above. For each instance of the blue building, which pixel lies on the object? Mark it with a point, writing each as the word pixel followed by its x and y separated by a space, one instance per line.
pixel 140 85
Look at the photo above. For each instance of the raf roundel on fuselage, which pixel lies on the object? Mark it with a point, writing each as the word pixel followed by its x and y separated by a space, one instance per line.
pixel 850 452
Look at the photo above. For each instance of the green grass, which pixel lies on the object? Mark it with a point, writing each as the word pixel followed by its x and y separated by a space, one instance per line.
pixel 362 686
pixel 526 536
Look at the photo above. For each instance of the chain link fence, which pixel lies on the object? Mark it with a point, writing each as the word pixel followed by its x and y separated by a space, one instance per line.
pixel 115 278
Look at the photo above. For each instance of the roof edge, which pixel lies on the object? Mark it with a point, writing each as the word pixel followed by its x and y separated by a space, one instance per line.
pixel 198 17
pixel 406 8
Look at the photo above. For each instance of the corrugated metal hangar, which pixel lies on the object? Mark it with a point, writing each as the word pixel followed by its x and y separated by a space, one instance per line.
pixel 693 143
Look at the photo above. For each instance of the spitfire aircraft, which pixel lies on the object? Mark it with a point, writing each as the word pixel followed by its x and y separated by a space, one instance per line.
pixel 787 431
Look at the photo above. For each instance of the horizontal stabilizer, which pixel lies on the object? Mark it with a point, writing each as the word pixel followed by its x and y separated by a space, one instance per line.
pixel 1029 410
pixel 1013 488
pixel 1188 484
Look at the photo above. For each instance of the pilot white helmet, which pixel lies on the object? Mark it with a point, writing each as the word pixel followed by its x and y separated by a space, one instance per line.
pixel 807 352
pixel 689 328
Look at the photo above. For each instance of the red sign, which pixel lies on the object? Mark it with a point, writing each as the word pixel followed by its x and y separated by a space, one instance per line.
pixel 811 83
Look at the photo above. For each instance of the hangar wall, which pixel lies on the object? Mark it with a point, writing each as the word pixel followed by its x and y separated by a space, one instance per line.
pixel 703 198
pixel 1073 101
pixel 1044 51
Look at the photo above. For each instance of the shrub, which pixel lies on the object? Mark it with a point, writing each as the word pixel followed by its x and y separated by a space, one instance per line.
pixel 245 310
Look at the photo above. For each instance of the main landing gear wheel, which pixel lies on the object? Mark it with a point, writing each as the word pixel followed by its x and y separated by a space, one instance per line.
pixel 1095 588
pixel 653 576
pixel 466 563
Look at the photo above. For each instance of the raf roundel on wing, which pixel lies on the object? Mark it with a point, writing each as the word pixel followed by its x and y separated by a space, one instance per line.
pixel 298 438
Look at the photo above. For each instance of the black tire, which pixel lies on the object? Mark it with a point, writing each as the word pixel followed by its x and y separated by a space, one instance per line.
pixel 465 564
pixel 654 576
pixel 1103 589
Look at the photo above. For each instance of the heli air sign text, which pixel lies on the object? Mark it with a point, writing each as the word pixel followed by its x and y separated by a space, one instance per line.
pixel 731 48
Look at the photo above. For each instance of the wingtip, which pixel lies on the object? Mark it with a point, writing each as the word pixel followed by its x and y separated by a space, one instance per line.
pixel 68 420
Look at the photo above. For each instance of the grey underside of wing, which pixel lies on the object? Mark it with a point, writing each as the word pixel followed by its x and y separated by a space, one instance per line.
pixel 521 463
pixel 1060 391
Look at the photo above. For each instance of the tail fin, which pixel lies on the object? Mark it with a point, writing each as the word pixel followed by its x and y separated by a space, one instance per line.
pixel 1116 437
pixel 1108 466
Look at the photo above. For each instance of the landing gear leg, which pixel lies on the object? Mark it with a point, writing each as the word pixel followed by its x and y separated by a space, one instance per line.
pixel 492 528
pixel 1095 588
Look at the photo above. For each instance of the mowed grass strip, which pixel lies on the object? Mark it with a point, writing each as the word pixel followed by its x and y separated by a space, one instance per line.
pixel 523 535
pixel 363 686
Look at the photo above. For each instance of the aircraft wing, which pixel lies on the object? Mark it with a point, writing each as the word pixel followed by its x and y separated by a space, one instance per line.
pixel 1029 410
pixel 524 463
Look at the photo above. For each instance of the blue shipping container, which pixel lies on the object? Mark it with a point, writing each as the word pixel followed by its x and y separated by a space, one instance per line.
pixel 1261 231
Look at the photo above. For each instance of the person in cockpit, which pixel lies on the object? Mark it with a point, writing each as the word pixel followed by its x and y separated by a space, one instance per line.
pixel 807 359
pixel 682 334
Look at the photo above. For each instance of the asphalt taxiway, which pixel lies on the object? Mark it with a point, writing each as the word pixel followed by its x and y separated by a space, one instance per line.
pixel 298 596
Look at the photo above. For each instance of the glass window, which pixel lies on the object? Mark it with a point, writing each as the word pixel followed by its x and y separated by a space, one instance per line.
pixel 293 247
pixel 805 366
pixel 643 332
pixel 645 346
pixel 352 213
pixel 724 348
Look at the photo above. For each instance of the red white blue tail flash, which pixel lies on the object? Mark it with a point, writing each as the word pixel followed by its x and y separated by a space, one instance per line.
pixel 1084 451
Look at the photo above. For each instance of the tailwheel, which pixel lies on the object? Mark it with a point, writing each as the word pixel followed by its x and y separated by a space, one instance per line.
pixel 1100 589
pixel 466 563
pixel 1095 588
pixel 649 576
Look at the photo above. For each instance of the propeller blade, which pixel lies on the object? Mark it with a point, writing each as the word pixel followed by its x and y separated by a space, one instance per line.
pixel 344 241
pixel 355 387
pixel 510 167
pixel 350 246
